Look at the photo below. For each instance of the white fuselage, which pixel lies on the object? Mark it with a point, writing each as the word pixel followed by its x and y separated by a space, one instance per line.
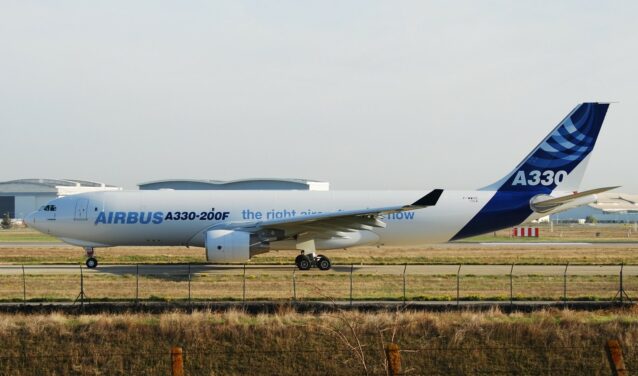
pixel 133 218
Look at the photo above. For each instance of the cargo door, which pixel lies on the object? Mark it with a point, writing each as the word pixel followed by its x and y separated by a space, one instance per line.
pixel 81 208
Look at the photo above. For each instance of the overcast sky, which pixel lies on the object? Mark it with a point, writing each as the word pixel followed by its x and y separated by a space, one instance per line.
pixel 364 94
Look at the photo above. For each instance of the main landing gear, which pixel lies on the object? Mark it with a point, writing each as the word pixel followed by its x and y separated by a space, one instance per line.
pixel 307 261
pixel 91 262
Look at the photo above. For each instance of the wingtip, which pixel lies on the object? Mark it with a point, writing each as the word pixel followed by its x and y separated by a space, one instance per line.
pixel 430 199
pixel 605 189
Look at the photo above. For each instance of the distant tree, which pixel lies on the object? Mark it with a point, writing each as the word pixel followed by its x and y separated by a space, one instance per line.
pixel 591 219
pixel 6 221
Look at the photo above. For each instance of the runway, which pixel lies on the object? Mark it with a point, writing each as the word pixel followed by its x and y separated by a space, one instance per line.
pixel 450 269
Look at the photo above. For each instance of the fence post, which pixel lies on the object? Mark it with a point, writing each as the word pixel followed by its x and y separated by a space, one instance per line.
pixel 294 285
pixel 620 287
pixel 81 287
pixel 351 271
pixel 393 357
pixel 243 294
pixel 81 295
pixel 137 283
pixel 24 286
pixel 511 286
pixel 405 267
pixel 189 283
pixel 458 286
pixel 621 294
pixel 565 286
pixel 177 361
pixel 615 357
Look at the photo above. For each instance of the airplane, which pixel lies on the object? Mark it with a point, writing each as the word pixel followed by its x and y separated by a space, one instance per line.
pixel 234 226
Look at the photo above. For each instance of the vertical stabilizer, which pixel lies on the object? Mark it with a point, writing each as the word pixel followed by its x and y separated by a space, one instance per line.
pixel 558 162
pixel 561 158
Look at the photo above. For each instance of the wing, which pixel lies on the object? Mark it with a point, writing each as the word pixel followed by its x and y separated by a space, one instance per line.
pixel 331 224
pixel 542 205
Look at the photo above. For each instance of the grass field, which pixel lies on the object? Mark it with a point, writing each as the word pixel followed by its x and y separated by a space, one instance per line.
pixel 341 343
pixel 310 285
pixel 568 233
pixel 430 254
pixel 279 285
pixel 612 246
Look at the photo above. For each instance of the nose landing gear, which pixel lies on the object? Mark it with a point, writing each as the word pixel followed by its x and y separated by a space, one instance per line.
pixel 307 261
pixel 91 262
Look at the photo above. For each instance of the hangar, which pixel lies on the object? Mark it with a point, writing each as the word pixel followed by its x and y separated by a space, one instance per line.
pixel 244 184
pixel 21 197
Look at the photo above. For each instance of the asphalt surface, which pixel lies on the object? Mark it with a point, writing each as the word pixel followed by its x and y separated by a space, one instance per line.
pixel 181 269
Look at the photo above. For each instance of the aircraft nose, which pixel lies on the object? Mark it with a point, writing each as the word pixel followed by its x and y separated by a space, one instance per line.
pixel 29 220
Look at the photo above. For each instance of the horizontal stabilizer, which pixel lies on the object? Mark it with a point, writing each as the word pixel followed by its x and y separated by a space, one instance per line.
pixel 544 206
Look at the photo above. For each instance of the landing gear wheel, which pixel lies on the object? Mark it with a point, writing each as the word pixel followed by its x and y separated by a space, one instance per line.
pixel 304 262
pixel 298 259
pixel 91 262
pixel 323 263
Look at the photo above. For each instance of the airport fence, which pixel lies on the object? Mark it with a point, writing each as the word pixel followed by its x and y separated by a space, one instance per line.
pixel 344 283
pixel 610 357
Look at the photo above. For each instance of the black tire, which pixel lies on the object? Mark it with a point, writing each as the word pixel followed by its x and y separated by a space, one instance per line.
pixel 304 263
pixel 298 259
pixel 323 263
pixel 91 263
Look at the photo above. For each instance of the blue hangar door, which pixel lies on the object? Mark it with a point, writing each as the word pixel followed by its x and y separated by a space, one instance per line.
pixel 8 205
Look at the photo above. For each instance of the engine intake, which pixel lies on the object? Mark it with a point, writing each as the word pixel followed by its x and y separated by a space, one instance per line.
pixel 233 246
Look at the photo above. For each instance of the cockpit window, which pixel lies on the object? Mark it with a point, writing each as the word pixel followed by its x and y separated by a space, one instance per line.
pixel 50 208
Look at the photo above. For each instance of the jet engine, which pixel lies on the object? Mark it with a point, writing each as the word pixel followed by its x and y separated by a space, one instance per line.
pixel 233 245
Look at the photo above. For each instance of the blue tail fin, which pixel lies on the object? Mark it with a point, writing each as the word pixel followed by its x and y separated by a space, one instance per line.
pixel 557 163
pixel 560 159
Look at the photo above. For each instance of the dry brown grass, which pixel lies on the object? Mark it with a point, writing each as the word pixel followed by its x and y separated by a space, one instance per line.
pixel 465 253
pixel 547 342
pixel 474 254
pixel 64 254
pixel 310 286
pixel 430 254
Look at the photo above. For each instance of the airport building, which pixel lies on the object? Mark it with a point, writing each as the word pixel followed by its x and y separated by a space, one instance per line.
pixel 610 207
pixel 244 184
pixel 21 197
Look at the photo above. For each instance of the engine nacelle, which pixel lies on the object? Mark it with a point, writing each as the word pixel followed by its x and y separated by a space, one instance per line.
pixel 232 246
